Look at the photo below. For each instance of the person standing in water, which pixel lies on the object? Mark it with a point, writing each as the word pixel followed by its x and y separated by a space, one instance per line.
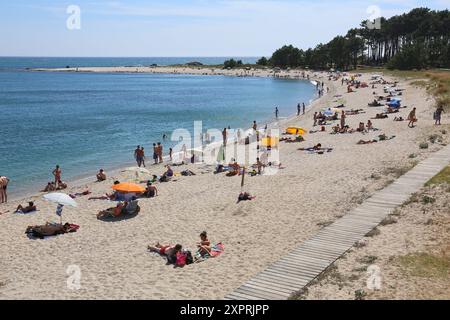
pixel 255 126
pixel 155 153
pixel 298 109
pixel 57 174
pixel 304 108
pixel 170 154
pixel 276 112
pixel 160 152
pixel 142 154
pixel 136 155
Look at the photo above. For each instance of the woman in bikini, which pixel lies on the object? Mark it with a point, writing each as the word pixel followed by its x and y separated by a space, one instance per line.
pixel 204 246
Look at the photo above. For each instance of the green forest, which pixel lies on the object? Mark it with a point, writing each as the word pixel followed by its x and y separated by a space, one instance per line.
pixel 419 39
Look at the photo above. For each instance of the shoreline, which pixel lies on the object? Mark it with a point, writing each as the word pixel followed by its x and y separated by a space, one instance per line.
pixel 84 178
pixel 311 191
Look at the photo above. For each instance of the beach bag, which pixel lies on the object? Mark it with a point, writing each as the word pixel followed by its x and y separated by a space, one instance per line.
pixel 189 258
pixel 181 259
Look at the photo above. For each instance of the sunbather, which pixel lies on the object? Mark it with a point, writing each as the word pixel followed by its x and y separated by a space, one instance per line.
pixel 79 194
pixel 399 119
pixel 50 229
pixel 30 208
pixel 235 169
pixel 381 116
pixel 245 196
pixel 111 212
pixel 366 141
pixel 169 251
pixel 204 246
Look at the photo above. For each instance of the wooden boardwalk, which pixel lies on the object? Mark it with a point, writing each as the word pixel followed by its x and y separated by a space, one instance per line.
pixel 294 271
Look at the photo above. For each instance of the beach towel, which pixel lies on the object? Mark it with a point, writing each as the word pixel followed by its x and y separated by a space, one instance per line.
pixel 21 212
pixel 216 251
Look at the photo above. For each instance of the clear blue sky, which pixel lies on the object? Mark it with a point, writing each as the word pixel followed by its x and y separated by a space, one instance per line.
pixel 182 27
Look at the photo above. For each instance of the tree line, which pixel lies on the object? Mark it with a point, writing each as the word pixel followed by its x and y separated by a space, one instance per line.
pixel 414 40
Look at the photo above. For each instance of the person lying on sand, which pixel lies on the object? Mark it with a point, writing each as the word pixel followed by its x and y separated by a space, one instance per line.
pixel 50 229
pixel 354 112
pixel 30 208
pixel 123 208
pixel 101 176
pixel 111 197
pixel 79 194
pixel 245 196
pixel 381 116
pixel 366 141
pixel 111 212
pixel 399 119
pixel 293 140
pixel 169 251
pixel 317 148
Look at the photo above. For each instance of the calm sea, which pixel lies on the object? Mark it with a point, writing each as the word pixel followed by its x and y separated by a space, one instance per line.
pixel 84 121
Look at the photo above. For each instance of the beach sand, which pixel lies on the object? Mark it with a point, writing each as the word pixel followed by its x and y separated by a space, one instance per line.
pixel 289 208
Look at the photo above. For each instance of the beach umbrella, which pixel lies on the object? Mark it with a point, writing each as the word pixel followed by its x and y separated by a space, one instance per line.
pixel 127 187
pixel 62 200
pixel 295 130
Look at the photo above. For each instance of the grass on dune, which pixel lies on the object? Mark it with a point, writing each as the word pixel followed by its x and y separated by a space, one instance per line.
pixel 441 178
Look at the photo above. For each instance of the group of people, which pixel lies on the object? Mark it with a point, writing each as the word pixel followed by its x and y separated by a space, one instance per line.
pixel 139 154
pixel 178 257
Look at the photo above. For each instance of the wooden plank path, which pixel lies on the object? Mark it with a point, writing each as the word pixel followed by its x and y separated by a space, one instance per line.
pixel 302 265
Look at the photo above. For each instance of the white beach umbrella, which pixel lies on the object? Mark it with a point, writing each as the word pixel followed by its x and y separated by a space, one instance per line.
pixel 60 198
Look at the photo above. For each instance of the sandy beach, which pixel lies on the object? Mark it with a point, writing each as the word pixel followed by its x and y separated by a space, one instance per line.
pixel 291 206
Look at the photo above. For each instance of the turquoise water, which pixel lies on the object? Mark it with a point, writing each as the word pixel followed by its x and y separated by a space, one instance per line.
pixel 84 121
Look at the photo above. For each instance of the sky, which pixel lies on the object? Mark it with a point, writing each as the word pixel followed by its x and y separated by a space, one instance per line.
pixel 176 28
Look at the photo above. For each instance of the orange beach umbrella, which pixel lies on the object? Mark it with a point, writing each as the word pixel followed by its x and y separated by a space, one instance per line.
pixel 128 188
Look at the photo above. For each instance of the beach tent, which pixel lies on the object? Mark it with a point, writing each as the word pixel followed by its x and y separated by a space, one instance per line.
pixel 295 130
pixel 270 142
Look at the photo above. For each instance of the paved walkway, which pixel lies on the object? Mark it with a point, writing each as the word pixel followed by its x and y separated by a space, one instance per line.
pixel 294 271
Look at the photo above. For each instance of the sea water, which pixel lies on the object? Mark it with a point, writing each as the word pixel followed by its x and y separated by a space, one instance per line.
pixel 87 121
